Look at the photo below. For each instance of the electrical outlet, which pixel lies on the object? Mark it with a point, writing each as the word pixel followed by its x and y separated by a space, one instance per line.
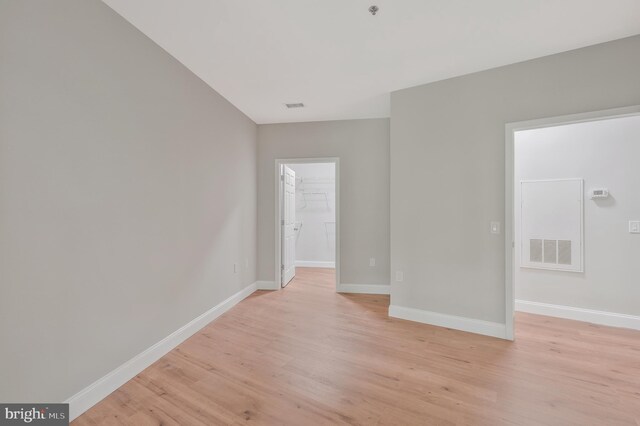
pixel 495 227
pixel 372 261
pixel 399 276
pixel 634 226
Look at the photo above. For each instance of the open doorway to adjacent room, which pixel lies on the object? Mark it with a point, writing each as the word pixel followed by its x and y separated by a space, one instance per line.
pixel 575 218
pixel 307 218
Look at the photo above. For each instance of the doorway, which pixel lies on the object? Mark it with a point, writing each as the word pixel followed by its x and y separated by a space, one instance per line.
pixel 307 215
pixel 570 206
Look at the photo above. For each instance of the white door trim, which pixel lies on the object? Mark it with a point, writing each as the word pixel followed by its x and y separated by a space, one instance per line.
pixel 509 235
pixel 278 211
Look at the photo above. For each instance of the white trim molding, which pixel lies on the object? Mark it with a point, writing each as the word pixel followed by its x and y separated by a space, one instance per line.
pixel 364 288
pixel 580 314
pixel 267 285
pixel 315 264
pixel 470 325
pixel 95 392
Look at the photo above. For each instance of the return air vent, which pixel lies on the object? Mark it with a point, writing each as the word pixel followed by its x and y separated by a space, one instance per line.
pixel 550 251
pixel 564 252
pixel 550 213
pixel 535 250
pixel 298 105
pixel 557 252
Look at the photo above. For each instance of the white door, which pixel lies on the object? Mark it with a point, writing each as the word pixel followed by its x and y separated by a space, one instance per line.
pixel 288 224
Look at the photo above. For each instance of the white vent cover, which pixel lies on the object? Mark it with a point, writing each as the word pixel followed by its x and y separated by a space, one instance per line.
pixel 564 252
pixel 557 252
pixel 551 224
pixel 535 250
pixel 550 251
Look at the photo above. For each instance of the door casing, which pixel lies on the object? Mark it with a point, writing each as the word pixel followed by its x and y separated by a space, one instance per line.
pixel 509 234
pixel 278 212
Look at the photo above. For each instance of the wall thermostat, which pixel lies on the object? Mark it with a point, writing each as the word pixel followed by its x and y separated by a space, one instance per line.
pixel 598 193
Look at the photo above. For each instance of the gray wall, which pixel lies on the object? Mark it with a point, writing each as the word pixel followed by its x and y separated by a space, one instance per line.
pixel 363 149
pixel 127 192
pixel 605 154
pixel 447 168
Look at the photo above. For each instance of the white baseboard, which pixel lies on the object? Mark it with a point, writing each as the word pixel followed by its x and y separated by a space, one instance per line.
pixel 315 264
pixel 95 392
pixel 364 288
pixel 267 285
pixel 580 314
pixel 486 328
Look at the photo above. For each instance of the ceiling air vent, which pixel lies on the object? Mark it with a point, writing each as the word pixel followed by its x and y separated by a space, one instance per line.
pixel 298 105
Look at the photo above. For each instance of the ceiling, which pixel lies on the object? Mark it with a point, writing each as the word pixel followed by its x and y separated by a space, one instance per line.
pixel 342 62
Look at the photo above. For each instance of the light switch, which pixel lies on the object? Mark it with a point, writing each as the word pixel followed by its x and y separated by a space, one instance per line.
pixel 634 226
pixel 399 276
pixel 372 261
pixel 495 227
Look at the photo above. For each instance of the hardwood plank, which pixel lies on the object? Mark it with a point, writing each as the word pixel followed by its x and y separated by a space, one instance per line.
pixel 307 355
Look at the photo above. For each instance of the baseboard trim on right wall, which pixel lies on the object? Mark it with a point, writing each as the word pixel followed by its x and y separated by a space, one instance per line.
pixel 470 325
pixel 364 288
pixel 580 314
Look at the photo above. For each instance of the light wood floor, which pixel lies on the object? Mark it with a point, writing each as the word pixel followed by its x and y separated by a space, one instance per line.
pixel 308 356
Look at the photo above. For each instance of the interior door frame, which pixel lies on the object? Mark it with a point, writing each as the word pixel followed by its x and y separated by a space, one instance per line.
pixel 279 162
pixel 509 188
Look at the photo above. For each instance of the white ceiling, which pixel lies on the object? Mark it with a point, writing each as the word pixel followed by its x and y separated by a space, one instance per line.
pixel 342 62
